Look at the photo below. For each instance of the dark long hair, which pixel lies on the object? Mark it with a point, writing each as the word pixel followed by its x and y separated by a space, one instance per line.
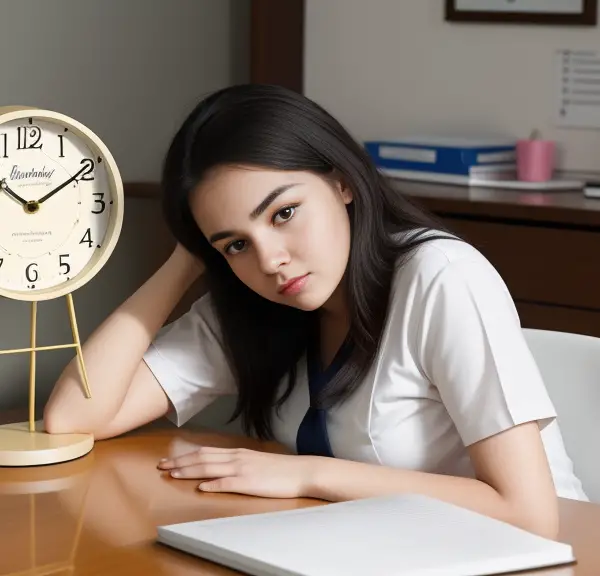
pixel 275 128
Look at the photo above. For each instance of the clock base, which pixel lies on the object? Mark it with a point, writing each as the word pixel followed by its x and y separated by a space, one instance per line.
pixel 20 447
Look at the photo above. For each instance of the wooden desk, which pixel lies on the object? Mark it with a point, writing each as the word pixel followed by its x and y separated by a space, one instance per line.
pixel 98 515
pixel 545 245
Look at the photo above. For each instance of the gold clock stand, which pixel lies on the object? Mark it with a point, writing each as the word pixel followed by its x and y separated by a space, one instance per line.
pixel 25 443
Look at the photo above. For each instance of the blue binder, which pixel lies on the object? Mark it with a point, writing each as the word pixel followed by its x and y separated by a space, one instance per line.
pixel 442 155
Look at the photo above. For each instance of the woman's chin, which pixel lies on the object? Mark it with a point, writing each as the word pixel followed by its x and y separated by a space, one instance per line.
pixel 308 302
pixel 305 302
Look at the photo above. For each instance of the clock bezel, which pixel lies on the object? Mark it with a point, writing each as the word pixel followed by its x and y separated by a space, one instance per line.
pixel 115 184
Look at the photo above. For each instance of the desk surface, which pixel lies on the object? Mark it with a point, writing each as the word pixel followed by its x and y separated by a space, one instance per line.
pixel 98 515
pixel 570 208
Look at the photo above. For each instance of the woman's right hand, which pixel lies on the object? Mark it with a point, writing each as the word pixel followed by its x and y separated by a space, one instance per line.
pixel 187 260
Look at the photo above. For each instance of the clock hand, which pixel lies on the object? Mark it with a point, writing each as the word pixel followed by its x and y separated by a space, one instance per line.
pixel 60 187
pixel 4 186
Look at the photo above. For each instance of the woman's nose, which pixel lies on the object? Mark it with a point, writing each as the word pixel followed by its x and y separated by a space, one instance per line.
pixel 271 257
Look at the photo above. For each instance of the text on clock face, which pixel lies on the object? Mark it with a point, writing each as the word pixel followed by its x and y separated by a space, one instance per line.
pixel 55 204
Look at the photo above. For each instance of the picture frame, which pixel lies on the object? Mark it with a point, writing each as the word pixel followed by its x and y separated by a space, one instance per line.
pixel 549 12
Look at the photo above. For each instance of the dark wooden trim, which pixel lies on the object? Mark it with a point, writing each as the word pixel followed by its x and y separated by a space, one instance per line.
pixel 277 43
pixel 588 17
pixel 560 219
pixel 561 318
pixel 559 216
pixel 141 190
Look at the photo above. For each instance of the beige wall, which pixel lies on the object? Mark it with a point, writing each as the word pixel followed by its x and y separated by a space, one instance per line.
pixel 130 70
pixel 393 67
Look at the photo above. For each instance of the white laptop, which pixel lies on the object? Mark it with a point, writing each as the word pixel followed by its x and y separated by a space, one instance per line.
pixel 405 535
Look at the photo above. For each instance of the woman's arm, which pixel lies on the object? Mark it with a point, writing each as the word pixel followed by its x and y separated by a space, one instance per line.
pixel 513 481
pixel 125 394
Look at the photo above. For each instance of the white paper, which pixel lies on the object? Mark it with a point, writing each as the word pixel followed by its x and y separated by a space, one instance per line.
pixel 406 535
pixel 577 88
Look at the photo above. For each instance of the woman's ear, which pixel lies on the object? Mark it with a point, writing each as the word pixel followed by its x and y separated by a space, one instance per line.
pixel 343 189
pixel 346 194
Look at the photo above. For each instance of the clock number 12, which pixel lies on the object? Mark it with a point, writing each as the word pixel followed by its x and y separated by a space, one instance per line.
pixel 23 135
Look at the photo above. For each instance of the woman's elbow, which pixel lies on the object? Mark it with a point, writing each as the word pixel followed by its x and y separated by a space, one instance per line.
pixel 56 420
pixel 56 423
pixel 540 519
pixel 546 525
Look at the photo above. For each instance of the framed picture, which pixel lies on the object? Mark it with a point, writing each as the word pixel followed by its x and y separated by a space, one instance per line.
pixel 557 12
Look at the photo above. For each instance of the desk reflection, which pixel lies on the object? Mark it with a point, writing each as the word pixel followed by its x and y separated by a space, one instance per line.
pixel 98 514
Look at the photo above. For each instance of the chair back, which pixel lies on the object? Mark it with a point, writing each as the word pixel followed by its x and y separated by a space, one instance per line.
pixel 570 366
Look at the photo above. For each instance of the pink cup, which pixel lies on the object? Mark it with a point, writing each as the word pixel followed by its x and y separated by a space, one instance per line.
pixel 535 160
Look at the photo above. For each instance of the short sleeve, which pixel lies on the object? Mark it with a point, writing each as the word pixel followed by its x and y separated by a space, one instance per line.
pixel 473 350
pixel 188 360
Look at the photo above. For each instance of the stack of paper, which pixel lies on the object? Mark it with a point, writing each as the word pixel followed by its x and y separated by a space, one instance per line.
pixel 385 536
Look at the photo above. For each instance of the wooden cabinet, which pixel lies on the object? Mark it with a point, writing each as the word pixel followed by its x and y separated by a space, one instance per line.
pixel 545 246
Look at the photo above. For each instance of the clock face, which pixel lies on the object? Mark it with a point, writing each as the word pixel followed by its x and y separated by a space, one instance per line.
pixel 56 202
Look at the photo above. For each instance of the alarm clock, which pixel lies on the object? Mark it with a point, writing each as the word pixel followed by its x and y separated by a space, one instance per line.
pixel 61 204
pixel 61 213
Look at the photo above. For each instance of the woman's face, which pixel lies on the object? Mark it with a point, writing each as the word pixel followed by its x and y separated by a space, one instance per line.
pixel 286 235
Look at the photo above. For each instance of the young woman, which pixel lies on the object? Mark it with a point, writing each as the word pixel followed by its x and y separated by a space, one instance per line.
pixel 385 353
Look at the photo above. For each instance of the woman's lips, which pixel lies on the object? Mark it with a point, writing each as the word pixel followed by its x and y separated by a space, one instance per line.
pixel 293 286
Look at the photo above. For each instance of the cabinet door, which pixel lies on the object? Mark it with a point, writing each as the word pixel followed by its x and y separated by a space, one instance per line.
pixel 550 271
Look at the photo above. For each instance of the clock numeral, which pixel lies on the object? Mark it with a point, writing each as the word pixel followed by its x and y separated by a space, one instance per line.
pixel 89 167
pixel 87 238
pixel 99 201
pixel 63 264
pixel 28 138
pixel 31 272
pixel 62 146
pixel 4 145
pixel 1 262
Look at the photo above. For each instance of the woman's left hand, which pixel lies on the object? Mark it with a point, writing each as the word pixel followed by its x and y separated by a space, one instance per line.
pixel 243 471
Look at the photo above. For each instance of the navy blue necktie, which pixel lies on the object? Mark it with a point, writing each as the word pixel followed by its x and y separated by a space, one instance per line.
pixel 312 438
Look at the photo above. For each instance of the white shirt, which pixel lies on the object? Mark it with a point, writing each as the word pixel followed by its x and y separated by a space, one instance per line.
pixel 453 368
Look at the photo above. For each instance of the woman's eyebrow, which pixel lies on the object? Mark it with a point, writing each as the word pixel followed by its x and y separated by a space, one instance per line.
pixel 268 200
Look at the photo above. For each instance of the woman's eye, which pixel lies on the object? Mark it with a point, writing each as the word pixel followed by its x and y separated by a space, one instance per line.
pixel 284 214
pixel 235 247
